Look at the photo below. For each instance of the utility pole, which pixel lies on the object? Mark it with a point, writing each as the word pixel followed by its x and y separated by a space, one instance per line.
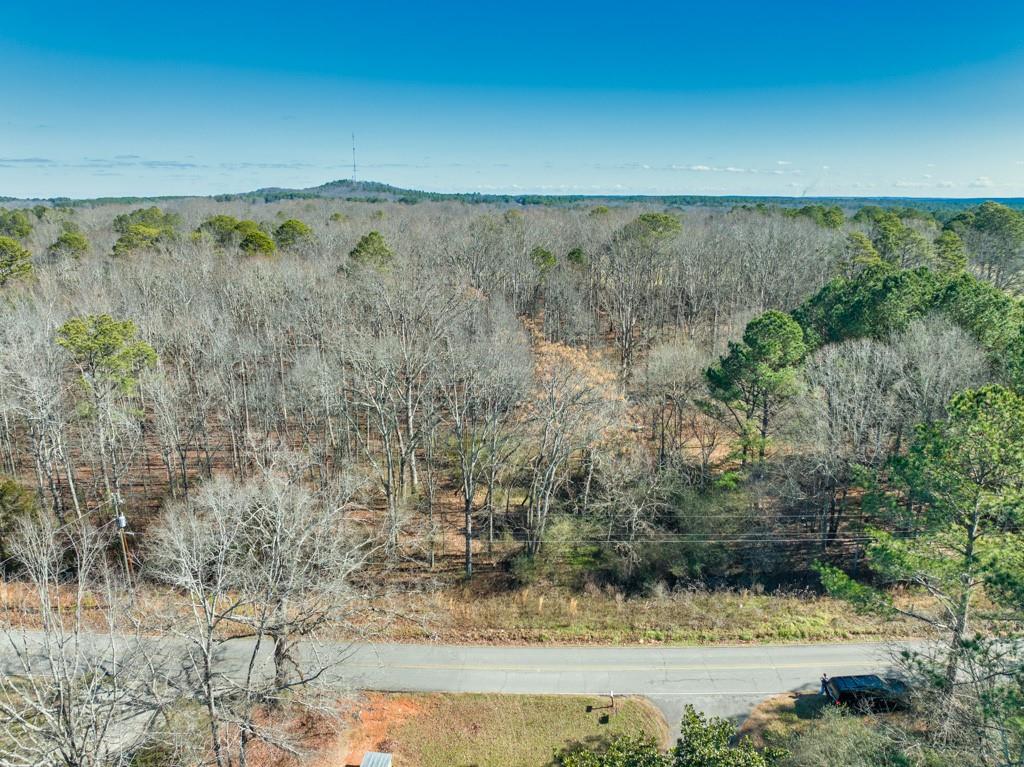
pixel 122 522
pixel 353 156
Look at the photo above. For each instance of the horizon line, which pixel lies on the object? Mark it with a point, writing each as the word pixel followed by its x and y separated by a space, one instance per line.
pixel 392 188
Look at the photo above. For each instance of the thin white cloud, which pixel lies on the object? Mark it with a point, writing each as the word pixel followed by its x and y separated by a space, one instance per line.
pixel 929 183
pixel 731 169
pixel 981 182
pixel 783 162
pixel 26 160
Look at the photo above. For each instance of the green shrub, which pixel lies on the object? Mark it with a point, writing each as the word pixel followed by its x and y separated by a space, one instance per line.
pixel 626 751
pixel 844 739
pixel 562 560
pixel 16 504
pixel 703 742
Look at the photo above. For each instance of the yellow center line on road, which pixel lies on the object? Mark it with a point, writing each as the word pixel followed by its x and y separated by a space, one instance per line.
pixel 576 669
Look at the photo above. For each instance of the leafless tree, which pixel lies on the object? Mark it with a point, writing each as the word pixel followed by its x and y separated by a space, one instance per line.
pixel 264 566
pixel 670 384
pixel 629 504
pixel 34 392
pixel 863 399
pixel 82 689
pixel 486 377
pixel 633 273
pixel 575 400
pixel 392 379
pixel 853 414
pixel 939 359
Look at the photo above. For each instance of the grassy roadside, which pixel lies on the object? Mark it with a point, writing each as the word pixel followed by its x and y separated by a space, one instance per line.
pixel 435 730
pixel 460 615
pixel 691 617
pixel 774 721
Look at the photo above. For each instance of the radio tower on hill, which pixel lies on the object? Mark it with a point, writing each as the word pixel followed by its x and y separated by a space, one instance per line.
pixel 353 156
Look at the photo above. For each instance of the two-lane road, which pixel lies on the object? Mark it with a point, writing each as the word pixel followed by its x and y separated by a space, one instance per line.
pixel 726 681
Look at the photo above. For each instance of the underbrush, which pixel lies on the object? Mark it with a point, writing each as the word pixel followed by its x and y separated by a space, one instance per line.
pixel 607 616
pixel 812 734
pixel 490 611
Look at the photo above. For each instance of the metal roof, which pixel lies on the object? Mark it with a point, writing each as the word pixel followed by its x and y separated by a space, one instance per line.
pixel 375 759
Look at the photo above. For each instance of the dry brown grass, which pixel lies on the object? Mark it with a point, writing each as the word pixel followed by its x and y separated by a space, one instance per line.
pixel 528 616
pixel 490 730
pixel 780 717
pixel 460 615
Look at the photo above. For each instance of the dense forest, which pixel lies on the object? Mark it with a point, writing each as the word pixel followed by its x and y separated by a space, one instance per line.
pixel 820 396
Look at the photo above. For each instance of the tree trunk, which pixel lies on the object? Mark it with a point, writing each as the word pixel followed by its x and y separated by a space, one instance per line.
pixel 764 433
pixel 468 510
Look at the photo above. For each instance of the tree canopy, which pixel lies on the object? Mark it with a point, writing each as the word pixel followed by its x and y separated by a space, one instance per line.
pixel 291 233
pixel 15 260
pixel 152 218
pixel 14 223
pixel 372 250
pixel 256 242
pixel 957 496
pixel 17 505
pixel 758 374
pixel 70 243
pixel 106 350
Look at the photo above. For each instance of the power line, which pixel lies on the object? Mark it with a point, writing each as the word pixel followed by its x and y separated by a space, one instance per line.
pixel 808 539
pixel 743 516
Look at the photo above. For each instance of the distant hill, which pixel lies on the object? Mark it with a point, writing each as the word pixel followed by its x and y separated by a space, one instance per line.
pixel 344 189
pixel 374 191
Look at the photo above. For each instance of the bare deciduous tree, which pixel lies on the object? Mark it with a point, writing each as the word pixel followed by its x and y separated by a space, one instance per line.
pixel 82 689
pixel 485 380
pixel 265 566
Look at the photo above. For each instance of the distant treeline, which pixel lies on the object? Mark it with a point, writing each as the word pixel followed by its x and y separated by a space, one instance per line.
pixel 376 192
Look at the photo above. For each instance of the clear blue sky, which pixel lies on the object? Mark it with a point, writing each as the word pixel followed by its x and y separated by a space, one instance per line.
pixel 790 97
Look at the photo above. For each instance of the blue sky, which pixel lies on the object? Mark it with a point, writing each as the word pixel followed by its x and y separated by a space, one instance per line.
pixel 794 98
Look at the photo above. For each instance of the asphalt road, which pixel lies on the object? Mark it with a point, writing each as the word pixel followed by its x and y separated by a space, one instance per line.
pixel 724 681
